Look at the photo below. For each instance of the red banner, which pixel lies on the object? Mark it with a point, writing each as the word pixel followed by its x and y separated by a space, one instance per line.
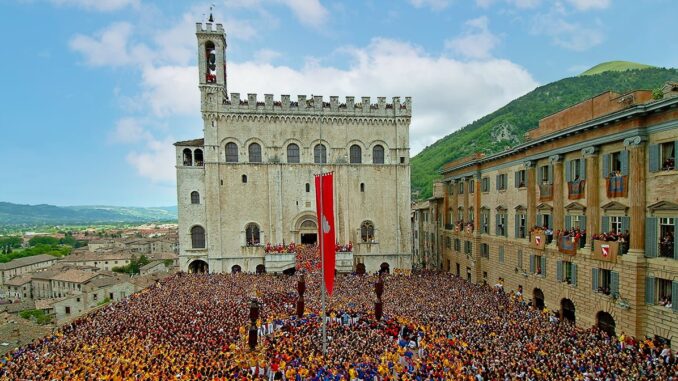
pixel 324 202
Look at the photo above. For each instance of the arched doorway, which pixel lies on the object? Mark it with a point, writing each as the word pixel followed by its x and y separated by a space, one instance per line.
pixel 538 301
pixel 236 269
pixel 198 267
pixel 384 268
pixel 567 310
pixel 360 269
pixel 308 232
pixel 605 322
pixel 261 269
pixel 290 271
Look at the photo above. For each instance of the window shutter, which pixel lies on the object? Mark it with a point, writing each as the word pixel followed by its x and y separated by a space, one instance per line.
pixel 675 231
pixel 539 175
pixel 501 254
pixel 496 180
pixel 594 279
pixel 516 177
pixel 496 227
pixel 568 222
pixel 574 274
pixel 540 220
pixel 559 271
pixel 625 221
pixel 582 222
pixel 516 227
pixel 649 290
pixel 543 265
pixel 550 174
pixel 674 296
pixel 582 169
pixel 654 157
pixel 624 156
pixel 606 165
pixel 614 283
pixel 531 264
pixel 605 225
pixel 651 237
pixel 568 171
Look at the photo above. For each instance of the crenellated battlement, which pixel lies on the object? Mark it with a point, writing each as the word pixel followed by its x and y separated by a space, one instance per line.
pixel 209 27
pixel 316 104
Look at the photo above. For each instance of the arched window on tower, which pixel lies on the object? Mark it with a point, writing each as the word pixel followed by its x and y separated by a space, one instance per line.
pixel 197 237
pixel 356 154
pixel 252 234
pixel 319 154
pixel 210 62
pixel 254 151
pixel 188 157
pixel 195 197
pixel 198 158
pixel 378 154
pixel 292 153
pixel 367 231
pixel 231 153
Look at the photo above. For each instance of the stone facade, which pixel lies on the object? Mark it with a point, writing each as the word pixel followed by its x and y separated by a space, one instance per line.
pixel 560 178
pixel 250 180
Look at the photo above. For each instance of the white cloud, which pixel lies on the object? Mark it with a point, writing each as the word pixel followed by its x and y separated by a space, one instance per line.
pixel 484 3
pixel 584 5
pixel 171 90
pixel 266 55
pixel 433 4
pixel 156 161
pixel 110 47
pixel 476 42
pixel 98 5
pixel 309 12
pixel 129 131
pixel 525 4
pixel 572 36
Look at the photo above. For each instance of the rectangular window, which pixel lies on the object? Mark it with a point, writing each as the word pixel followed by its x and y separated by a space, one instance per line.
pixel 471 186
pixel 500 253
pixel 484 250
pixel 471 216
pixel 615 162
pixel 521 179
pixel 457 244
pixel 667 240
pixel 544 173
pixel 567 272
pixel 574 170
pixel 461 187
pixel 485 221
pixel 667 156
pixel 537 265
pixel 460 213
pixel 522 225
pixel 663 292
pixel 616 224
pixel 468 247
pixel 486 184
pixel 68 310
pixel 604 281
pixel 501 224
pixel 576 223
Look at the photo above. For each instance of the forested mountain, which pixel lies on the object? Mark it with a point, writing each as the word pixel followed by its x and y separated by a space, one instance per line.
pixel 506 127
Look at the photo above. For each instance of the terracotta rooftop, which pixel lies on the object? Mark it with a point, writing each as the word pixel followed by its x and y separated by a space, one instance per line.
pixel 26 261
pixel 191 143
pixel 19 280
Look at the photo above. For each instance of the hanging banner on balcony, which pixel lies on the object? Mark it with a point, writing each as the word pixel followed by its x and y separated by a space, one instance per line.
pixel 324 201
pixel 568 244
pixel 576 189
pixel 605 250
pixel 538 239
pixel 617 186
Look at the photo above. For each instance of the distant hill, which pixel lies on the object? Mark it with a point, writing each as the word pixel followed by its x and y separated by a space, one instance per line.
pixel 18 214
pixel 615 66
pixel 506 127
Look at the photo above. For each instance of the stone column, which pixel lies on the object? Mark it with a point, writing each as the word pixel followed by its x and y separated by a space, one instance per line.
pixel 446 196
pixel 530 171
pixel 590 154
pixel 558 202
pixel 454 204
pixel 636 148
pixel 476 204
pixel 465 181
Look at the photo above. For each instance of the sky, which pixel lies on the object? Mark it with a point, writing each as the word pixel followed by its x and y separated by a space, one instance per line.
pixel 94 92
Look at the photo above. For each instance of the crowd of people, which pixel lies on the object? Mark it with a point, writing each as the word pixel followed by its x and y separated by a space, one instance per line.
pixel 435 327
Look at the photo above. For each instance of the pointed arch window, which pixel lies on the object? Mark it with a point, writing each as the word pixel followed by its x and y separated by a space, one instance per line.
pixel 367 231
pixel 197 237
pixel 252 234
pixel 320 154
pixel 378 154
pixel 231 153
pixel 293 153
pixel 356 154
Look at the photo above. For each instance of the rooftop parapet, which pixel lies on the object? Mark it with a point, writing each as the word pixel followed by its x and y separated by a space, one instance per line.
pixel 209 27
pixel 462 160
pixel 316 104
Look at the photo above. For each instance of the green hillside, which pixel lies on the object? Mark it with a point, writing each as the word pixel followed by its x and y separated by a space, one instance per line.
pixel 507 126
pixel 615 66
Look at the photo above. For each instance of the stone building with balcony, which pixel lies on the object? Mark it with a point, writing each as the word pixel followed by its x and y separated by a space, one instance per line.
pixel 581 217
pixel 249 181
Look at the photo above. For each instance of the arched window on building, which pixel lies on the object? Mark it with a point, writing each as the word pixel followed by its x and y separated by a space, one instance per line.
pixel 198 158
pixel 320 154
pixel 356 154
pixel 231 153
pixel 197 237
pixel 378 154
pixel 254 151
pixel 367 231
pixel 293 153
pixel 210 63
pixel 188 157
pixel 195 197
pixel 252 234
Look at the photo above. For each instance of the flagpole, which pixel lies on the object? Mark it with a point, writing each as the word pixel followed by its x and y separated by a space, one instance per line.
pixel 322 246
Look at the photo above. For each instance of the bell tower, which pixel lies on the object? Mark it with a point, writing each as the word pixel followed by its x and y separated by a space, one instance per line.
pixel 211 64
